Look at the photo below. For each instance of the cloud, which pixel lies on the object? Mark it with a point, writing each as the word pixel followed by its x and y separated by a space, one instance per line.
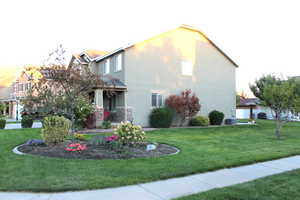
pixel 8 74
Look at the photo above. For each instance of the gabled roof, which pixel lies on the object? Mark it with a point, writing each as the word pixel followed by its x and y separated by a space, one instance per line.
pixel 99 58
pixel 90 54
pixel 248 102
pixel 80 59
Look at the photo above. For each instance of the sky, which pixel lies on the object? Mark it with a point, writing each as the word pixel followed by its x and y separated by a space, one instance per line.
pixel 261 36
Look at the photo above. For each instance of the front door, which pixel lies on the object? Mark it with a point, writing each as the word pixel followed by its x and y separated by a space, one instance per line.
pixel 112 103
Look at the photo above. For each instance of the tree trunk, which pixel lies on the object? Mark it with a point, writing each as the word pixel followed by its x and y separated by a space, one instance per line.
pixel 278 126
pixel 182 121
pixel 73 123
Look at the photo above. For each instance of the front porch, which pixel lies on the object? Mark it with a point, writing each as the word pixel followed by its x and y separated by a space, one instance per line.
pixel 11 107
pixel 111 106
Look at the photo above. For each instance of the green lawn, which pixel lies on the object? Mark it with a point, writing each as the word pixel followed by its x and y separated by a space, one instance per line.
pixel 202 149
pixel 284 186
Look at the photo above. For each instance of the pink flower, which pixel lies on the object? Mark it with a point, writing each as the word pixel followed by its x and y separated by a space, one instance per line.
pixel 76 147
pixel 111 138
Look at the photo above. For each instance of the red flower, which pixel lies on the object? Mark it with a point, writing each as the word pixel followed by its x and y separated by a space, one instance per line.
pixel 76 147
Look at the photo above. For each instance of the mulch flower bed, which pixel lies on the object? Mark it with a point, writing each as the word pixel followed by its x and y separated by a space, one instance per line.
pixel 97 152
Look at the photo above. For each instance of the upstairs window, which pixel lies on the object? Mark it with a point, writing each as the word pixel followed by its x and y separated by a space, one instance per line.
pixel 20 87
pixel 26 86
pixel 118 63
pixel 186 68
pixel 157 100
pixel 107 66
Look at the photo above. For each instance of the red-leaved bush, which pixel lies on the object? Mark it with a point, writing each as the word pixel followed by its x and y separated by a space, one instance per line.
pixel 186 105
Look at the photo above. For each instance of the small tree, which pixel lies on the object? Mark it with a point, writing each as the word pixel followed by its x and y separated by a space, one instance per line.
pixel 278 94
pixel 62 90
pixel 185 105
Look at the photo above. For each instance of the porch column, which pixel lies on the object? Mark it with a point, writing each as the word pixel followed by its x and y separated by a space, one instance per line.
pixel 10 109
pixel 4 111
pixel 14 110
pixel 99 107
pixel 125 106
pixel 128 110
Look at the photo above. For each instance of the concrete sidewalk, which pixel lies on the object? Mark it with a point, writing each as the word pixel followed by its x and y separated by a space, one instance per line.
pixel 170 188
pixel 18 125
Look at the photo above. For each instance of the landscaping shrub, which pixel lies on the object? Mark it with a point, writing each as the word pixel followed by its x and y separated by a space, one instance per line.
pixel 97 140
pixel 216 117
pixel 55 129
pixel 161 117
pixel 199 121
pixel 186 105
pixel 130 134
pixel 2 122
pixel 106 124
pixel 83 109
pixel 262 115
pixel 27 121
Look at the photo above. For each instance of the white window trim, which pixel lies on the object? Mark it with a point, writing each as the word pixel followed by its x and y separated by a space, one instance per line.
pixel 119 63
pixel 157 100
pixel 107 66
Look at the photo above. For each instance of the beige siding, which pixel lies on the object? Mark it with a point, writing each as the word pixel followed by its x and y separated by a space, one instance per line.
pixel 155 66
pixel 98 68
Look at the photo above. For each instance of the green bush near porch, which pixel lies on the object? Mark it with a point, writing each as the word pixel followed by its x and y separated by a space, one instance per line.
pixel 199 121
pixel 27 121
pixel 216 117
pixel 161 117
pixel 202 149
pixel 2 122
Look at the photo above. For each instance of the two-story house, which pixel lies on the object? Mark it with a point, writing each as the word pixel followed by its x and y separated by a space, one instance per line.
pixel 147 72
pixel 12 95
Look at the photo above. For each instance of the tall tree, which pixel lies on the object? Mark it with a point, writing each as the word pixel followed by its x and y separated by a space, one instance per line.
pixel 279 95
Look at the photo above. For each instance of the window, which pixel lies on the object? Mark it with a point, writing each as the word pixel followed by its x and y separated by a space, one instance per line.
pixel 106 66
pixel 27 86
pixel 118 63
pixel 186 68
pixel 20 88
pixel 157 100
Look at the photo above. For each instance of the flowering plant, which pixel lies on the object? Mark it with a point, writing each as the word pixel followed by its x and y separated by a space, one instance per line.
pixel 111 138
pixel 76 147
pixel 130 134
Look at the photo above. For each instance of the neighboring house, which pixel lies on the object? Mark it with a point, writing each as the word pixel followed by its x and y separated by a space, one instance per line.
pixel 5 98
pixel 249 108
pixel 147 72
pixel 12 95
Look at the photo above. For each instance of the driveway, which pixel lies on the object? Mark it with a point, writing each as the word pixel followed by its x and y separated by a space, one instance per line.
pixel 18 125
